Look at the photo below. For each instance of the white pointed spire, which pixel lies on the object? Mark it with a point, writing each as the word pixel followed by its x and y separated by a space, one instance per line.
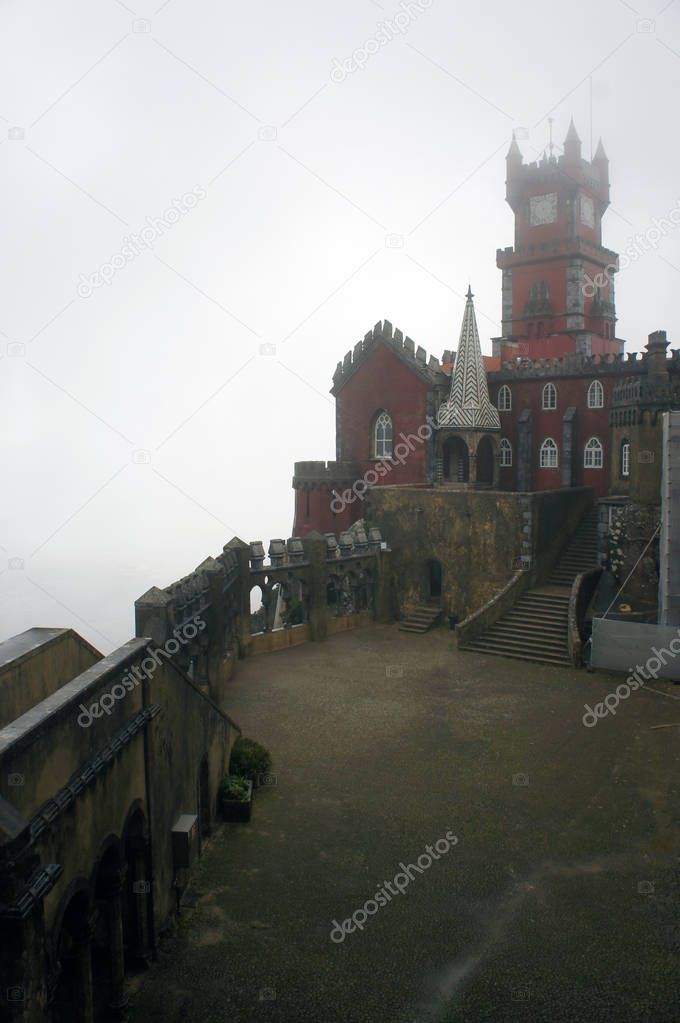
pixel 468 406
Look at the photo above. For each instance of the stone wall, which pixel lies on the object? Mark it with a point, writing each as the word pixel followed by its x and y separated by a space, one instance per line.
pixel 35 664
pixel 322 576
pixel 96 767
pixel 669 540
pixel 480 538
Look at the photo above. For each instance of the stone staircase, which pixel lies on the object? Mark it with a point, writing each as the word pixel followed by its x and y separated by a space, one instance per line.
pixel 421 619
pixel 536 628
pixel 579 555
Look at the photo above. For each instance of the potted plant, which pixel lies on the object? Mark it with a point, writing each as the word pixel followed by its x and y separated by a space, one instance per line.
pixel 236 798
pixel 250 759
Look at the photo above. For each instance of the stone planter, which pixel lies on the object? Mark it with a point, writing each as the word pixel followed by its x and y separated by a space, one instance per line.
pixel 237 810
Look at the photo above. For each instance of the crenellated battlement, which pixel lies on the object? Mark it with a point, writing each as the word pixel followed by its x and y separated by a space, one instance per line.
pixel 330 474
pixel 517 255
pixel 553 172
pixel 404 347
pixel 291 572
pixel 581 365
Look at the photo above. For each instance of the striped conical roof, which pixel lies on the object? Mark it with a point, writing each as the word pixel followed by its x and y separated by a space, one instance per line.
pixel 468 406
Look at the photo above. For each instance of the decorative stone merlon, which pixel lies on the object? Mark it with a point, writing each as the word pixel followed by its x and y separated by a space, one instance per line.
pixel 392 338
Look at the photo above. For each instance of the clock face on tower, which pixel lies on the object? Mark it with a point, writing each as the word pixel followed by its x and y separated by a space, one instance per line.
pixel 587 211
pixel 543 209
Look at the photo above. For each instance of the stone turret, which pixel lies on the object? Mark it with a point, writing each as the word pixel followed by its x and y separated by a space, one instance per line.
pixel 468 425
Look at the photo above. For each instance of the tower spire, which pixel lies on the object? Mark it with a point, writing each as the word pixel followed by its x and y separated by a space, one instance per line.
pixel 572 134
pixel 600 153
pixel 572 144
pixel 468 406
pixel 514 152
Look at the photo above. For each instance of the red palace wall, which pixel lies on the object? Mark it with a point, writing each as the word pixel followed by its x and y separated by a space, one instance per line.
pixel 315 510
pixel 383 382
pixel 571 392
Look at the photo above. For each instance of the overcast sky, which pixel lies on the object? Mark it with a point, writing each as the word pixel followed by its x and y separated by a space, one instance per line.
pixel 143 422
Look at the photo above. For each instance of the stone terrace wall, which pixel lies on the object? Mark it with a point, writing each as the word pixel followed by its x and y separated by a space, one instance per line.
pixel 73 771
pixel 311 581
pixel 481 538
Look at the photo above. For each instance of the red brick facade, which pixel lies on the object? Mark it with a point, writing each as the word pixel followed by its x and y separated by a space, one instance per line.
pixel 558 332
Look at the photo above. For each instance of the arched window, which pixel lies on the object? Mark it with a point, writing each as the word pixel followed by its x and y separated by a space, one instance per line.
pixel 505 399
pixel 549 397
pixel 596 395
pixel 548 453
pixel 506 453
pixel 625 458
pixel 382 436
pixel 593 455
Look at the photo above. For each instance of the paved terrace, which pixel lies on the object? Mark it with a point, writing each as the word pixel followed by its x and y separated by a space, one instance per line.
pixel 560 902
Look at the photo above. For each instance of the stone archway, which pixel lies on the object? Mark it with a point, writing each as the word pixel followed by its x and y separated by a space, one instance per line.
pixel 138 897
pixel 72 998
pixel 433 580
pixel 456 459
pixel 108 950
pixel 204 809
pixel 485 462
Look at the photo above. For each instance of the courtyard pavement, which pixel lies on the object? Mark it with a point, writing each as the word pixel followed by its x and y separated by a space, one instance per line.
pixel 559 902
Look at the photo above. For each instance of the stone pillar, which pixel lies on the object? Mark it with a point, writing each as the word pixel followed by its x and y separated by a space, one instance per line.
pixel 568 453
pixel 242 590
pixel 114 918
pixel 315 548
pixel 669 540
pixel 152 616
pixel 82 942
pixel 141 889
pixel 472 459
pixel 524 452
pixel 382 588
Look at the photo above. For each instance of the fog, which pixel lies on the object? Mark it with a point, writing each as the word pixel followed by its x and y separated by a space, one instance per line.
pixel 147 418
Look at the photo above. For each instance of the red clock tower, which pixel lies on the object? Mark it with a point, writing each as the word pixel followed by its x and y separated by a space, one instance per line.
pixel 558 280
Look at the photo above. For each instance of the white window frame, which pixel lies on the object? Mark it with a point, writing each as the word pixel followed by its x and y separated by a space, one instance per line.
pixel 593 454
pixel 505 399
pixel 505 453
pixel 549 458
pixel 549 398
pixel 382 448
pixel 625 459
pixel 596 388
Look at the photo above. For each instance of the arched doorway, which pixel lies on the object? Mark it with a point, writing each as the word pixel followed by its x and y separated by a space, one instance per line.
pixel 108 953
pixel 433 581
pixel 485 461
pixel 456 460
pixel 71 1001
pixel 203 799
pixel 137 904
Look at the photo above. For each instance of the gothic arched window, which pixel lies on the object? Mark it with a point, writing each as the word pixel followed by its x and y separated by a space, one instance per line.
pixel 549 402
pixel 505 399
pixel 549 454
pixel 596 395
pixel 506 453
pixel 382 436
pixel 593 455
